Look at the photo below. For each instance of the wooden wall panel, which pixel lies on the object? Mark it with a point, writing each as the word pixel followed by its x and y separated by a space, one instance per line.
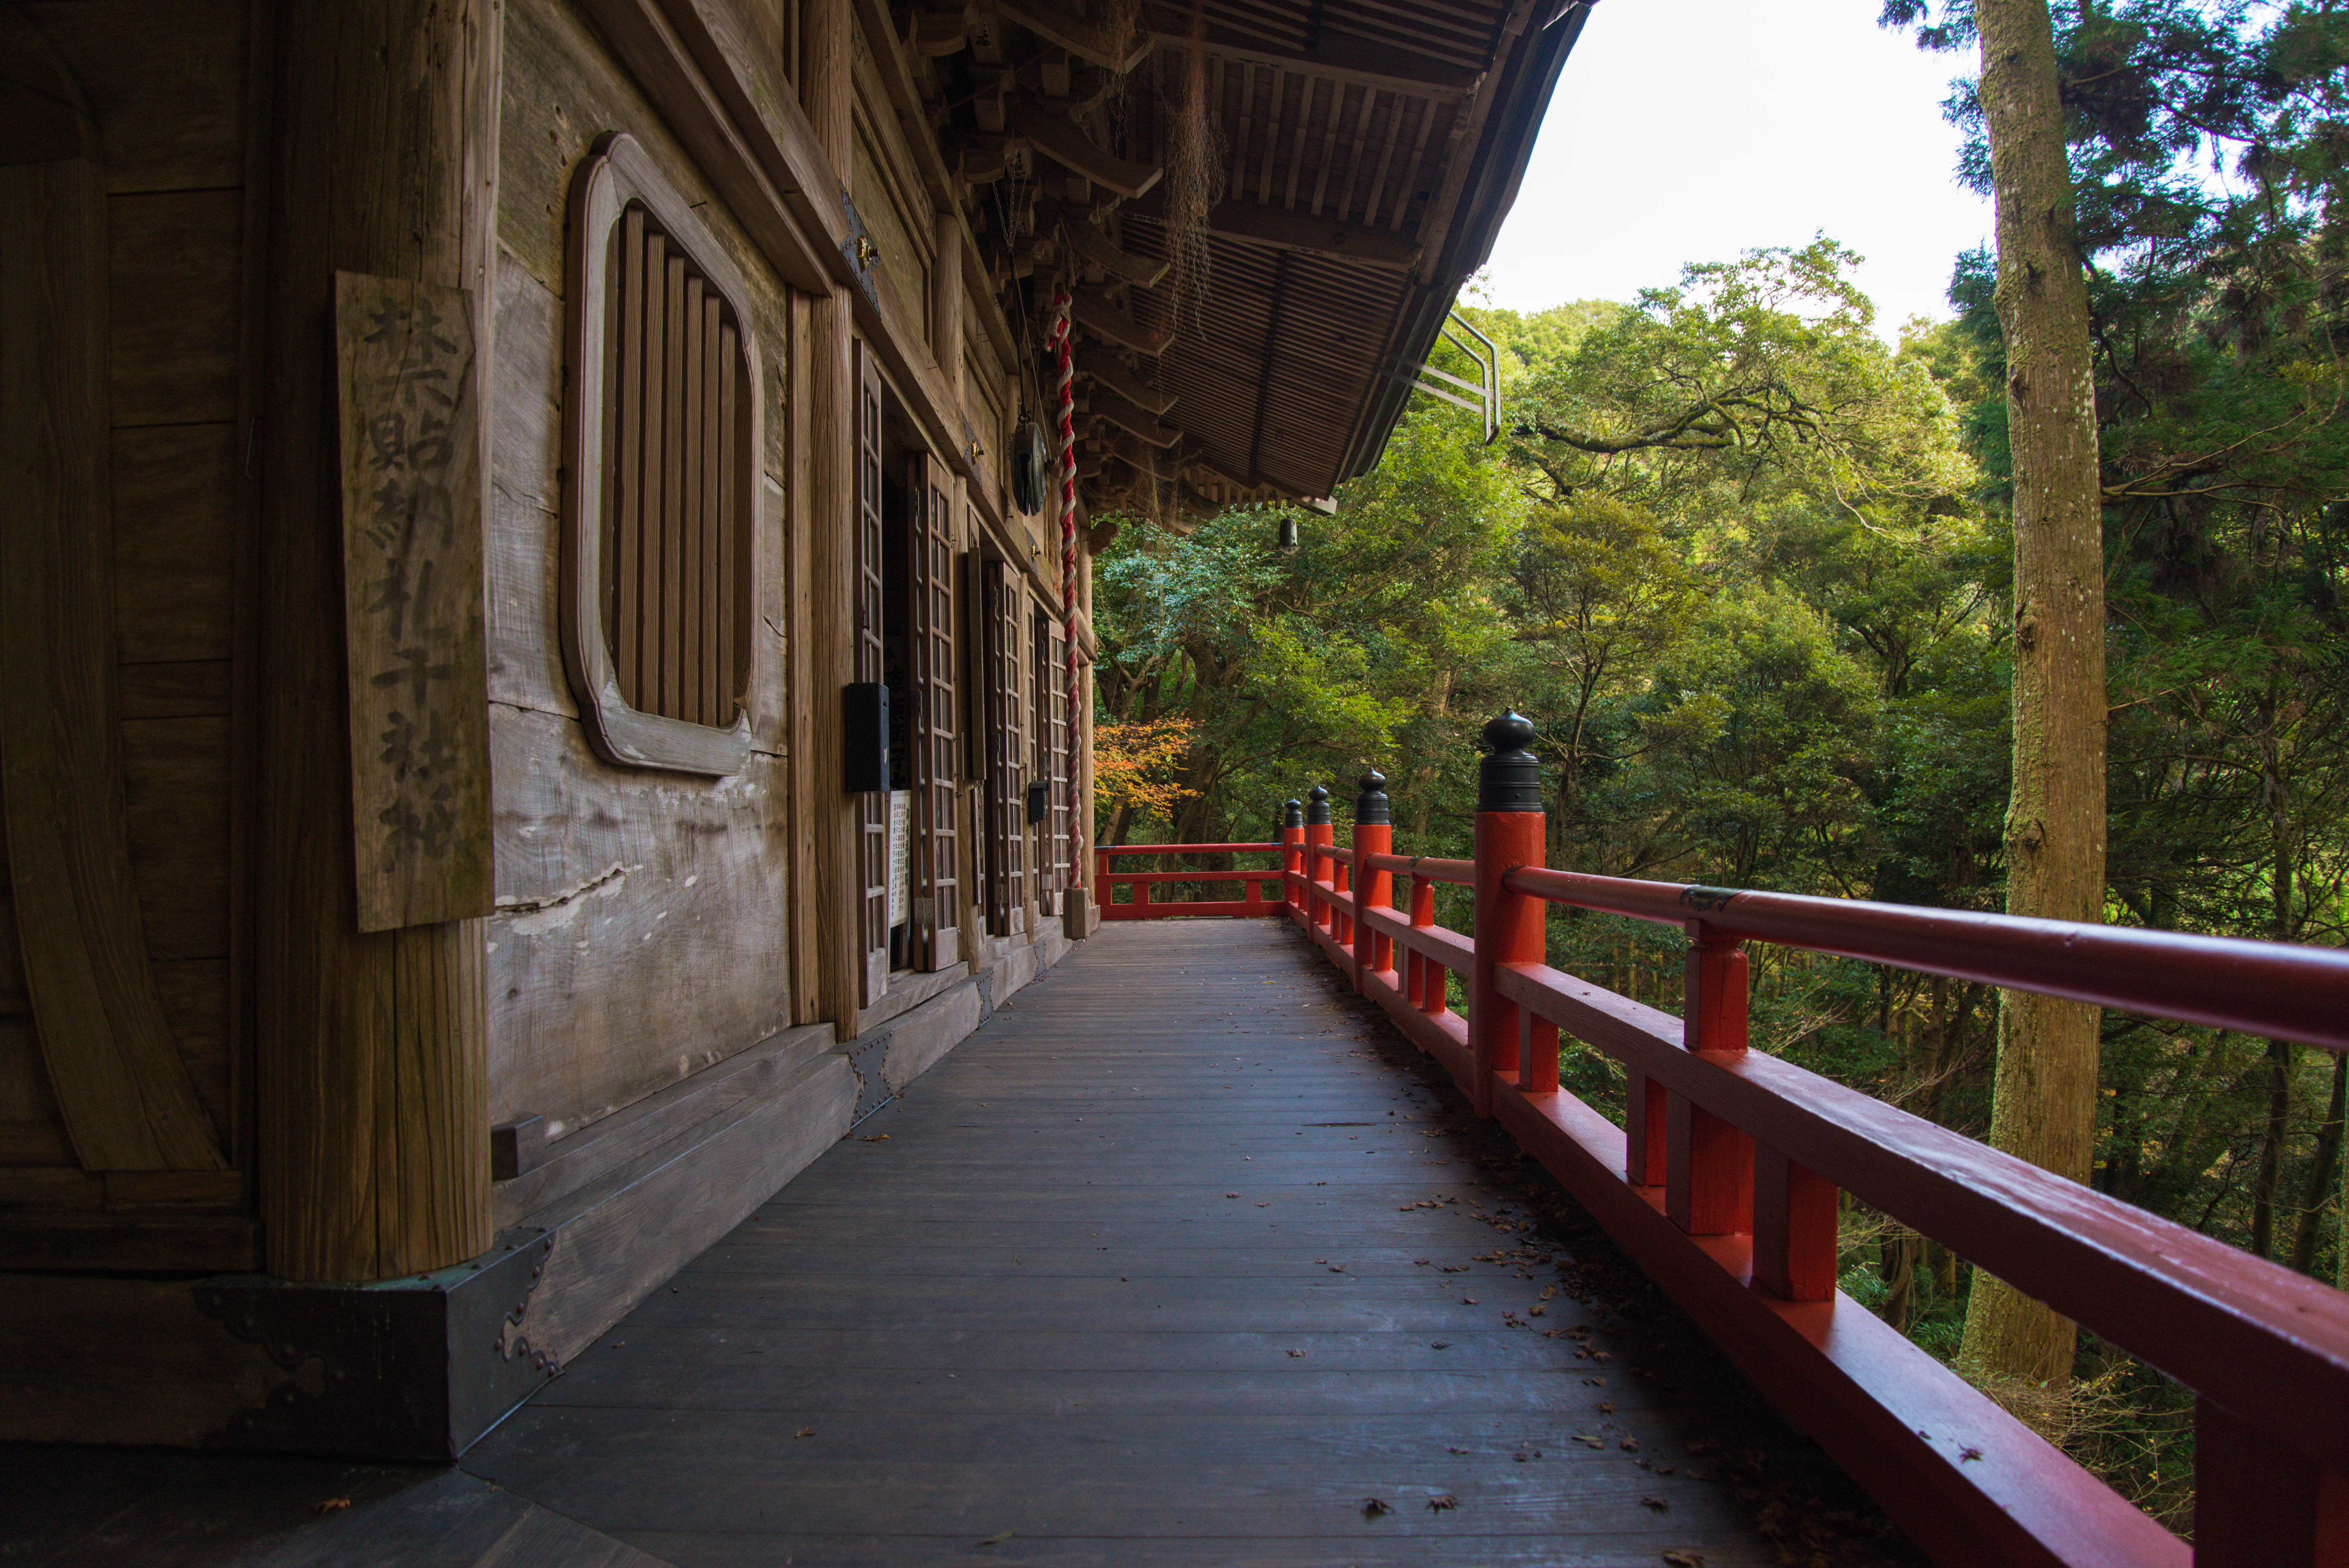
pixel 111 1060
pixel 643 923
pixel 175 498
pixel 166 86
pixel 174 270
pixel 642 927
pixel 175 798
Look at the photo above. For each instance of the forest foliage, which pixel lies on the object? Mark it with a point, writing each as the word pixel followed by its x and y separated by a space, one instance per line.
pixel 1746 563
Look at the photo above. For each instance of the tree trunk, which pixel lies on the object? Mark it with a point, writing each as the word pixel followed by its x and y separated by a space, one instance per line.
pixel 2272 1140
pixel 2320 1179
pixel 2044 1097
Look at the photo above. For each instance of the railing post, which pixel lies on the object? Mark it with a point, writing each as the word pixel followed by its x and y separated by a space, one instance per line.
pixel 1708 1163
pixel 1373 835
pixel 1341 924
pixel 1508 924
pixel 1430 992
pixel 1317 833
pixel 2259 1502
pixel 1795 1239
pixel 1292 850
pixel 1102 889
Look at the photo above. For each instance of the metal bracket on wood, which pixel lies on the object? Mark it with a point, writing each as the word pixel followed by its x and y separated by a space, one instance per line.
pixel 1483 396
pixel 413 1368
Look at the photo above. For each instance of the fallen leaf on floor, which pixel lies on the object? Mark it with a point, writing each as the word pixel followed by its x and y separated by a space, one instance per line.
pixel 1468 1301
pixel 1439 1344
pixel 1373 1506
pixel 333 1505
pixel 1630 1445
pixel 1967 1456
pixel 1684 1560
pixel 997 1539
pixel 1456 1451
pixel 1231 1194
pixel 1657 1503
pixel 1298 1353
pixel 1421 1261
pixel 1591 1439
pixel 1606 1407
pixel 876 1138
pixel 1442 1500
pixel 804 1432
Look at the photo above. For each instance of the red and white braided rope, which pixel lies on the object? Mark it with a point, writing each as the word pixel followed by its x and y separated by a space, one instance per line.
pixel 1072 731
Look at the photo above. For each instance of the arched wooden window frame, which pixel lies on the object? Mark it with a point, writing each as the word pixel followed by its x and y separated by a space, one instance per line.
pixel 617 173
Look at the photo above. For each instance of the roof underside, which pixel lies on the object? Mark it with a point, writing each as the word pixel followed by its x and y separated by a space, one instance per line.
pixel 1368 151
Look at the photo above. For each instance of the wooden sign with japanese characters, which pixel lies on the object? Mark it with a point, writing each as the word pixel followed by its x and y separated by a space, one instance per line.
pixel 408 386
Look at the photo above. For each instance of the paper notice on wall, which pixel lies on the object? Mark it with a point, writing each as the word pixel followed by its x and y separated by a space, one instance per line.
pixel 901 816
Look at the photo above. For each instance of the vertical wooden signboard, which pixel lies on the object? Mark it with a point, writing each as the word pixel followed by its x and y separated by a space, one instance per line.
pixel 938 907
pixel 406 380
pixel 873 845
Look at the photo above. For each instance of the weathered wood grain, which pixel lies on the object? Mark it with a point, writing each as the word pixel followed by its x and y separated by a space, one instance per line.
pixel 408 377
pixel 165 85
pixel 880 1367
pixel 133 1361
pixel 180 688
pixel 642 928
pixel 372 1103
pixel 175 818
pixel 174 271
pixel 175 492
pixel 118 1078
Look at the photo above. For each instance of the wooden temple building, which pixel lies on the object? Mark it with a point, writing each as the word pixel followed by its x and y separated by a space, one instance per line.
pixel 544 603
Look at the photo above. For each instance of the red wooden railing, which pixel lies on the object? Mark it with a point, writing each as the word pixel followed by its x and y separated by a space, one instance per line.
pixel 1253 899
pixel 1722 1184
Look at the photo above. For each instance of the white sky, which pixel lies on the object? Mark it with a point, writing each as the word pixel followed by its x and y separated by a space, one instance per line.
pixel 1690 131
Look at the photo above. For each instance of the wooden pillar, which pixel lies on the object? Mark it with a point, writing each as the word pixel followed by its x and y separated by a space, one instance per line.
pixel 1508 925
pixel 826 82
pixel 373 1114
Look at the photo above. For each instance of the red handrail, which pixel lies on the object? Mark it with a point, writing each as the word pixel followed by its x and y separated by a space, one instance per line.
pixel 1253 901
pixel 2267 988
pixel 1723 1185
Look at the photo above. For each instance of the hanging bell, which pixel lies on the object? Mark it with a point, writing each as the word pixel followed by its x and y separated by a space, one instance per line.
pixel 1288 534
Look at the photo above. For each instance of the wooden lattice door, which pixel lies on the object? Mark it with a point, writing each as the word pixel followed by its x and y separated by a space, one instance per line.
pixel 1006 754
pixel 873 806
pixel 937 907
pixel 1062 776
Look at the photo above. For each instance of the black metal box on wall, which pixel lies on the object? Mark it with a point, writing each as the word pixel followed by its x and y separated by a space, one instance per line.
pixel 864 710
pixel 1038 799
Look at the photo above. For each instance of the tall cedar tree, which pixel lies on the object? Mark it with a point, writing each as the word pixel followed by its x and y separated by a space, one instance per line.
pixel 2043 1104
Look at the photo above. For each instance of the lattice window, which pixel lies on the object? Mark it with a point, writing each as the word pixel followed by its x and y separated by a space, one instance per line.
pixel 660 498
pixel 1062 776
pixel 937 903
pixel 1006 806
pixel 872 805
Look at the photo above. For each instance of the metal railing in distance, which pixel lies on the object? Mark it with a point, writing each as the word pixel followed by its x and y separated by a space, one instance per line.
pixel 1723 1185
pixel 1255 899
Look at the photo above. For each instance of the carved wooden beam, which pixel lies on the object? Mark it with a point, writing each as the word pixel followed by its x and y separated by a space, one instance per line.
pixel 1063 142
pixel 1126 417
pixel 1100 318
pixel 1108 374
pixel 1076 35
pixel 1337 57
pixel 1092 246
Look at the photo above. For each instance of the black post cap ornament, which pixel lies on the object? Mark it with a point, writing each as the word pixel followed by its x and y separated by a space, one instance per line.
pixel 1371 805
pixel 1509 776
pixel 1317 813
pixel 1294 816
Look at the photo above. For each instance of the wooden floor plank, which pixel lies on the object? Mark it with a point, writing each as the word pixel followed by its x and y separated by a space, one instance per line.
pixel 1179 1259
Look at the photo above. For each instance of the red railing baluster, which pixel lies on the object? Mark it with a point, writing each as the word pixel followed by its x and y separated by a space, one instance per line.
pixel 1793 1228
pixel 1536 1053
pixel 1508 924
pixel 1292 857
pixel 2261 1503
pixel 1709 1162
pixel 1432 996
